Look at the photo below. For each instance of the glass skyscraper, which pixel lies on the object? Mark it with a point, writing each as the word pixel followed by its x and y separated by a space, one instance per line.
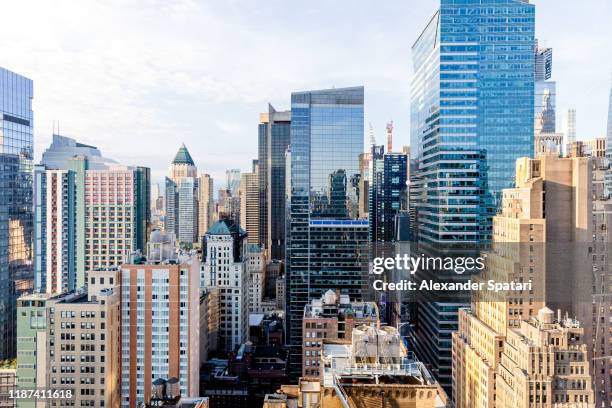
pixel 472 113
pixel 326 244
pixel 472 116
pixel 274 134
pixel 386 192
pixel 16 222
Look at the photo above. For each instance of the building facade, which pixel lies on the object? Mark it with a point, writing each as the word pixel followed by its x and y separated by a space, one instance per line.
pixel 249 205
pixel 224 268
pixel 273 140
pixel 32 347
pixel 181 198
pixel 387 190
pixel 83 344
pixel 160 314
pixel 54 230
pixel 206 203
pixel 326 248
pixel 330 318
pixel 16 226
pixel 470 121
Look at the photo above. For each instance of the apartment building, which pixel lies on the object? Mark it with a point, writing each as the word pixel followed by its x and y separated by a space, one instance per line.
pixel 332 317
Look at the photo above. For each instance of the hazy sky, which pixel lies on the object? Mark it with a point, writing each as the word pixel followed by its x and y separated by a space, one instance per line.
pixel 137 78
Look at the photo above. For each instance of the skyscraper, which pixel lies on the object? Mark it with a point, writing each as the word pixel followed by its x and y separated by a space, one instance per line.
pixel 569 122
pixel 86 218
pixel 472 113
pixel 160 317
pixel 182 194
pixel 249 204
pixel 55 230
pixel 206 203
pixel 325 247
pixel 16 155
pixel 233 181
pixel 274 134
pixel 224 256
pixel 546 138
pixel 472 116
pixel 187 210
pixel 388 185
pixel 182 165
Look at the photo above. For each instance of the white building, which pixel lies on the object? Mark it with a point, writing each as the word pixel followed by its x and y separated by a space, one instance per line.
pixel 256 276
pixel 225 268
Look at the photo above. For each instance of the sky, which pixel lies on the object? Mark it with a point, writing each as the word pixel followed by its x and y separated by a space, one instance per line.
pixel 138 78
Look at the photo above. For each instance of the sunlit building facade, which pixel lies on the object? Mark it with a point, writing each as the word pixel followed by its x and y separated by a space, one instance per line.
pixel 326 247
pixel 16 226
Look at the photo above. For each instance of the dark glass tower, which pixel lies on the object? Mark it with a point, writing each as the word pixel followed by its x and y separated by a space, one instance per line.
pixel 16 216
pixel 274 131
pixel 387 189
pixel 472 116
pixel 326 247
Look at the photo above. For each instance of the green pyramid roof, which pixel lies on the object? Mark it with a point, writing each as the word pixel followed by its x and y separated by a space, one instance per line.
pixel 183 156
pixel 225 227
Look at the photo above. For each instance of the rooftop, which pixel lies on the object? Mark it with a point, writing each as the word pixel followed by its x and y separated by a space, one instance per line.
pixel 183 156
pixel 225 227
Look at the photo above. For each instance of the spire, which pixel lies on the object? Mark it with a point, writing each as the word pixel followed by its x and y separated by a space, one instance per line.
pixel 183 156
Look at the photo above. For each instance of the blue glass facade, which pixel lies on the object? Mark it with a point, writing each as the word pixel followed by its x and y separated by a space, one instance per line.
pixel 16 223
pixel 472 113
pixel 472 116
pixel 326 247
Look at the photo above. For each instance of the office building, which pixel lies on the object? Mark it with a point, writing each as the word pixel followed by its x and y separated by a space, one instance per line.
pixel 477 345
pixel 364 184
pixel 206 203
pixel 171 206
pixel 182 165
pixel 596 147
pixel 387 187
pixel 457 126
pixel 325 248
pixel 543 63
pixel 157 208
pixel 249 205
pixel 332 317
pixel 232 181
pixel 83 343
pixel 16 227
pixel 465 139
pixel 187 198
pixel 273 141
pixel 569 122
pixel 224 258
pixel 160 314
pixel 32 349
pixel 182 194
pixel 561 374
pixel 256 273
